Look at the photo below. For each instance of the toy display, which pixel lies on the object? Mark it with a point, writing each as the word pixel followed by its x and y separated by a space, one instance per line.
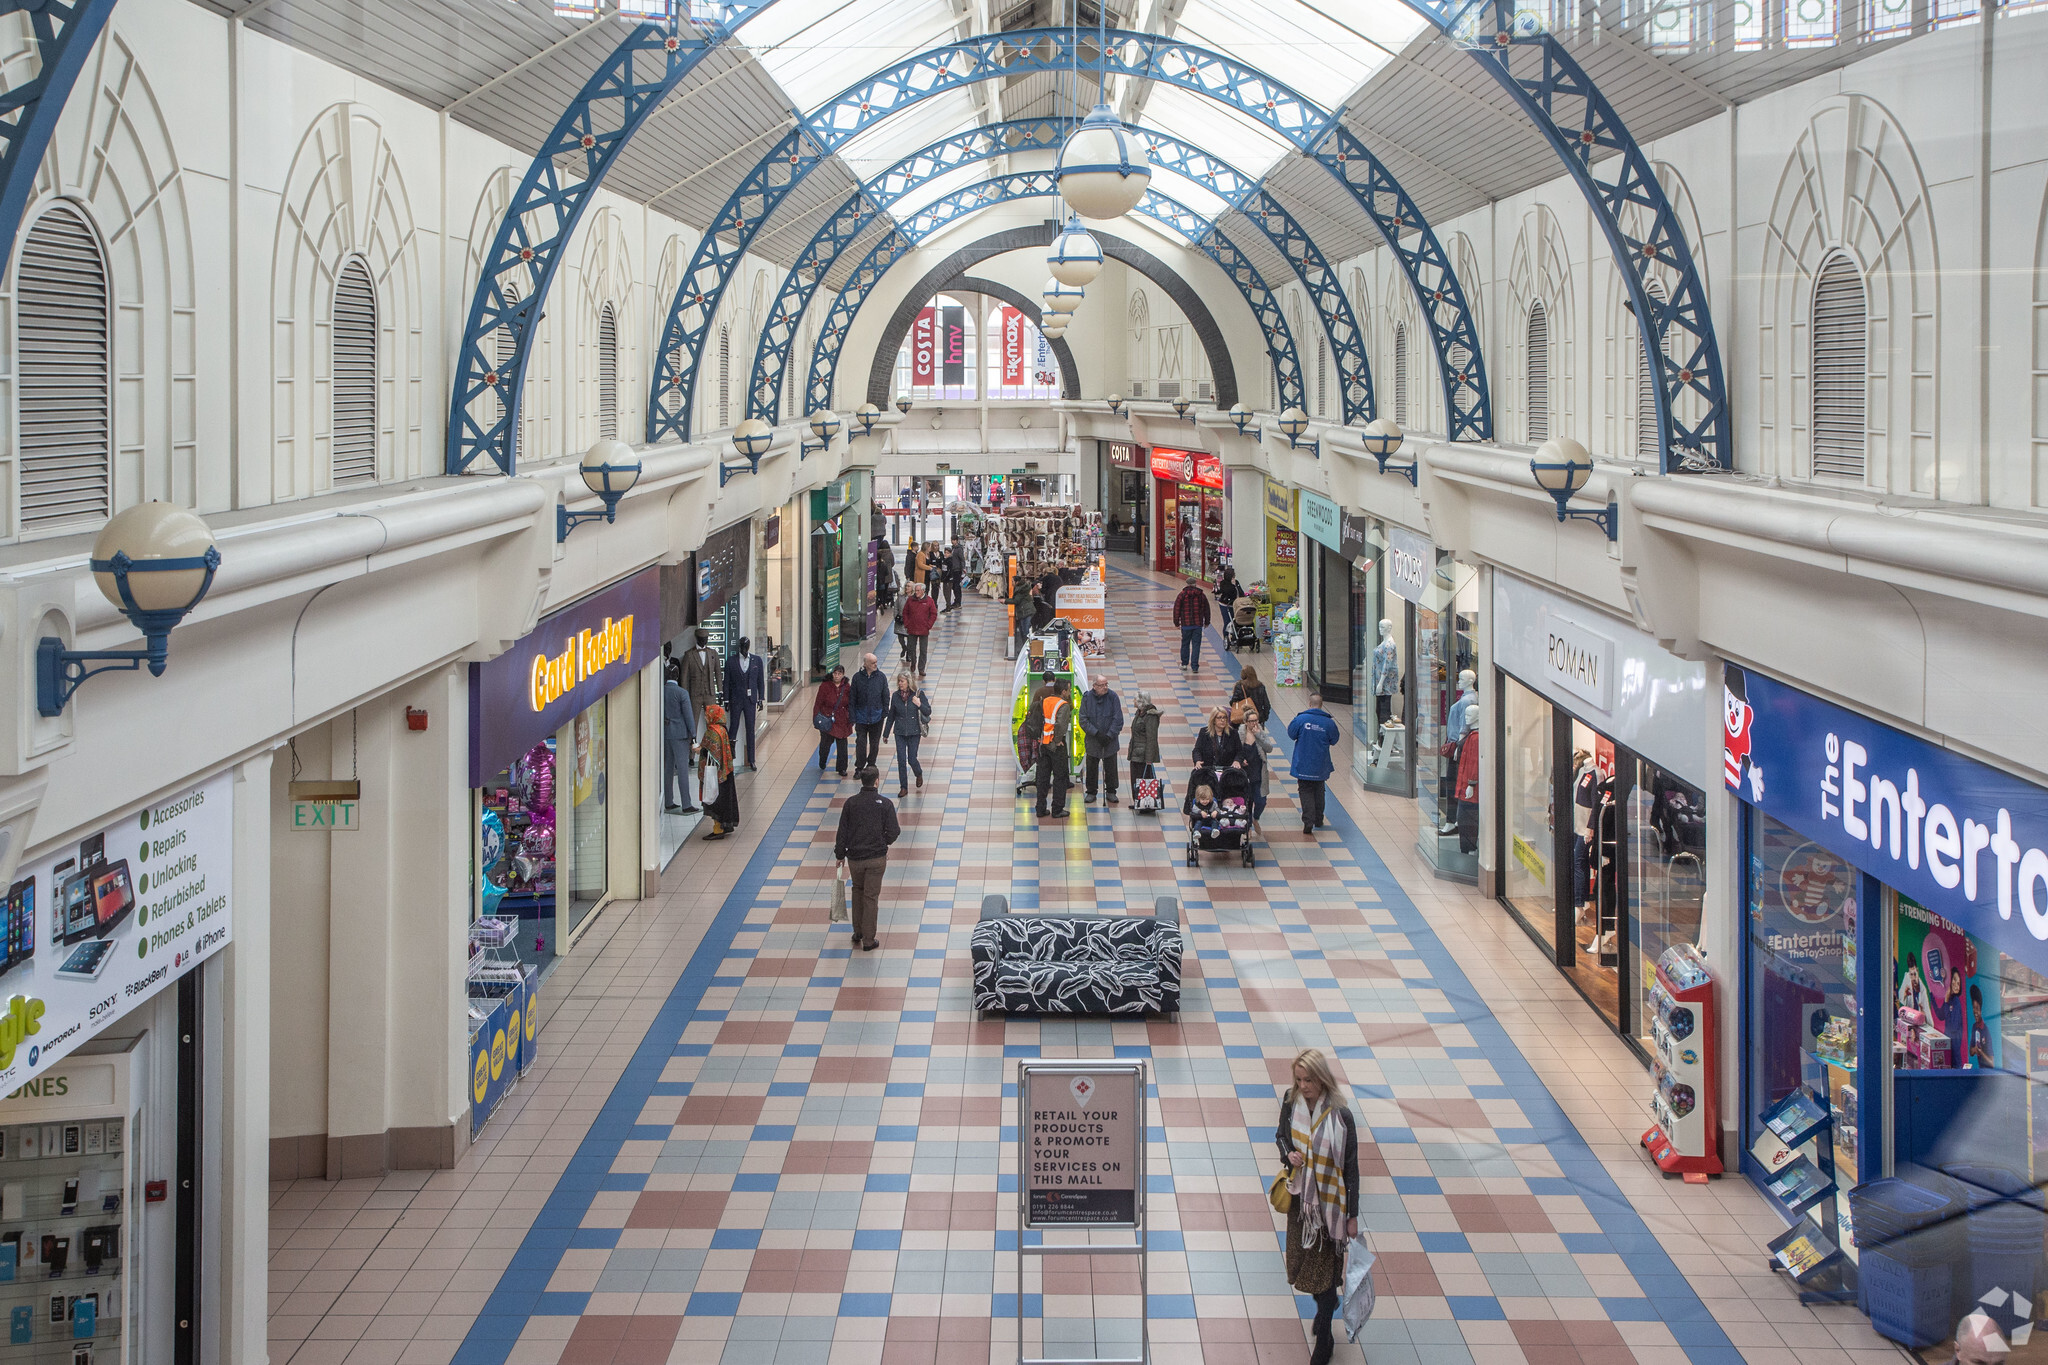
pixel 1686 1136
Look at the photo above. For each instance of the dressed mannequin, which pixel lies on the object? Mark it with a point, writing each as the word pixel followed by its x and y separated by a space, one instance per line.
pixel 1464 709
pixel 1386 672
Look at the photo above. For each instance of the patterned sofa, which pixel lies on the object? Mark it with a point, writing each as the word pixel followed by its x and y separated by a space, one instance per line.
pixel 1077 964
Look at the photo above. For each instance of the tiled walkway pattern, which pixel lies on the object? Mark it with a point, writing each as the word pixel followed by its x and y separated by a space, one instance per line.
pixel 809 1156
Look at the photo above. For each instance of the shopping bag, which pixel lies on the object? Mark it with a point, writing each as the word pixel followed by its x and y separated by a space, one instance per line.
pixel 1358 1291
pixel 841 912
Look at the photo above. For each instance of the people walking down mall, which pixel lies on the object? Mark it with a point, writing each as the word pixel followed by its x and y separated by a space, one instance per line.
pixel 746 688
pixel 1315 735
pixel 1055 728
pixel 909 716
pixel 1143 754
pixel 885 573
pixel 869 705
pixel 867 826
pixel 956 574
pixel 1191 614
pixel 714 758
pixel 1023 598
pixel 679 737
pixel 702 674
pixel 1102 723
pixel 1250 690
pixel 832 716
pixel 919 612
pixel 1318 1140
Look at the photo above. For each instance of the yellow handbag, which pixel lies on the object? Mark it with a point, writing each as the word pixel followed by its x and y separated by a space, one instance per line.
pixel 1278 1195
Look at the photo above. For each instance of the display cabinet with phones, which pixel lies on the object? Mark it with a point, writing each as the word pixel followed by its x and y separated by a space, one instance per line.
pixel 67 1196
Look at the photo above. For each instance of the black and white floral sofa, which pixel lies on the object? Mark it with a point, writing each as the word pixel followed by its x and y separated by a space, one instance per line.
pixel 1077 964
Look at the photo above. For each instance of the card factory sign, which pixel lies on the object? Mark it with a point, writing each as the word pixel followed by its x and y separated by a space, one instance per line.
pixel 1081 1130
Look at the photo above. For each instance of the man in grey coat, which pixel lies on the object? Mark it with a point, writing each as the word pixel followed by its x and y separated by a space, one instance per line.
pixel 679 734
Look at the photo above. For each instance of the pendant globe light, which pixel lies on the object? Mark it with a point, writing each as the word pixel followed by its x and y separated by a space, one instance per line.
pixel 1053 326
pixel 1062 298
pixel 1076 257
pixel 1103 170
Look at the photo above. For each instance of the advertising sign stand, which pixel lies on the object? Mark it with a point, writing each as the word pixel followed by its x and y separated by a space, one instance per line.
pixel 1081 1164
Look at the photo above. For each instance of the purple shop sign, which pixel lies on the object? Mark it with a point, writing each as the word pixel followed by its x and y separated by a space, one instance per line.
pixel 572 658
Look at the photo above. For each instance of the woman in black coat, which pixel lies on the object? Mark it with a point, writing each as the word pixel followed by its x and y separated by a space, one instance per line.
pixel 1317 1130
pixel 1218 746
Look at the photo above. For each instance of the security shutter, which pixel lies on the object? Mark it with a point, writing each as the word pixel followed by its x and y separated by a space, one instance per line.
pixel 1840 368
pixel 1539 372
pixel 724 377
pixel 1648 448
pixel 62 336
pixel 355 375
pixel 1401 375
pixel 608 374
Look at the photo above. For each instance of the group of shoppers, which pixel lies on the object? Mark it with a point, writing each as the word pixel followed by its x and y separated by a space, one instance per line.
pixel 704 700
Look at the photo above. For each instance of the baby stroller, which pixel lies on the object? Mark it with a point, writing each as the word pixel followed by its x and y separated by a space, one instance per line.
pixel 1230 829
pixel 1244 626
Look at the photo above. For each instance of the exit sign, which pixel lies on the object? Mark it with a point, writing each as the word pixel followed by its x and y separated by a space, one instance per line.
pixel 326 817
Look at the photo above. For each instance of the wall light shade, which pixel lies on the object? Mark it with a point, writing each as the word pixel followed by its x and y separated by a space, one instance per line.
pixel 825 424
pixel 1561 467
pixel 1293 422
pixel 867 414
pixel 1076 257
pixel 609 469
pixel 1103 169
pixel 1116 402
pixel 1062 298
pixel 752 438
pixel 1382 437
pixel 1181 406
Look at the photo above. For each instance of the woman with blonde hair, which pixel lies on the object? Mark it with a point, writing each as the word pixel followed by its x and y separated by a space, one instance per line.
pixel 1318 1139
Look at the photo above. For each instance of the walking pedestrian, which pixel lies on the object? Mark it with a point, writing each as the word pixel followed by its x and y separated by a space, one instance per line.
pixel 867 826
pixel 1218 745
pixel 1318 1139
pixel 885 573
pixel 1144 751
pixel 1254 760
pixel 832 716
pixel 1315 733
pixel 1056 716
pixel 869 704
pixel 956 574
pixel 1191 614
pixel 716 757
pixel 701 673
pixel 1021 609
pixel 679 736
pixel 1228 590
pixel 1248 700
pixel 1102 721
pixel 746 687
pixel 919 612
pixel 908 717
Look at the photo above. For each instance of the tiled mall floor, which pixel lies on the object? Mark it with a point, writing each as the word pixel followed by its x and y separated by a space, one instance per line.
pixel 747 1143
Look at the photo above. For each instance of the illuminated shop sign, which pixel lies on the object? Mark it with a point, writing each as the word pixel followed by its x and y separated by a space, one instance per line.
pixel 568 661
pixel 1188 466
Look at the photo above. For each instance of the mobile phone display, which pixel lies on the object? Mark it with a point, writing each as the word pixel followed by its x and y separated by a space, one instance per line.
pixel 88 960
pixel 79 917
pixel 113 896
pixel 20 934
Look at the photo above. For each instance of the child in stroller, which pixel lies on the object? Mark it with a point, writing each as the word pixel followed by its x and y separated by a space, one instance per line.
pixel 1219 814
pixel 1244 626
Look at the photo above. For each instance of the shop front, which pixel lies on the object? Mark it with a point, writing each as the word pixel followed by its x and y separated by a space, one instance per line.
pixel 828 550
pixel 1602 795
pixel 1333 600
pixel 1187 501
pixel 555 764
pixel 1894 999
pixel 1126 505
pixel 723 566
pixel 776 606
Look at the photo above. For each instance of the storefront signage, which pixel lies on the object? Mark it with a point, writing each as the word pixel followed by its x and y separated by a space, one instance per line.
pixel 722 567
pixel 1123 455
pixel 1411 561
pixel 1968 842
pixel 1013 346
pixel 1355 535
pixel 1280 503
pixel 771 532
pixel 572 658
pixel 1080 1130
pixel 98 927
pixel 1580 661
pixel 1188 466
pixel 953 345
pixel 1322 521
pixel 924 350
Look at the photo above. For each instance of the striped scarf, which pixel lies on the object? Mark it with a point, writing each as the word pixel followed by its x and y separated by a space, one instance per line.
pixel 1319 1183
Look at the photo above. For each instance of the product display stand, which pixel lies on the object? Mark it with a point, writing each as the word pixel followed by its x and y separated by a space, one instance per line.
pixel 1796 1148
pixel 1685 1139
pixel 500 990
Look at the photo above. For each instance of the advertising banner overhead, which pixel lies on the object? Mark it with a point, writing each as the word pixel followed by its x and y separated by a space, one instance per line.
pixel 924 349
pixel 953 345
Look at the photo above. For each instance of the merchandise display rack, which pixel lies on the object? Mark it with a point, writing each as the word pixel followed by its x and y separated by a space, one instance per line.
pixel 1685 1138
pixel 495 974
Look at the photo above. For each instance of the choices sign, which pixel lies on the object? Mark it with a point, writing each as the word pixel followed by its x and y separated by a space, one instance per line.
pixel 95 929
pixel 1081 1130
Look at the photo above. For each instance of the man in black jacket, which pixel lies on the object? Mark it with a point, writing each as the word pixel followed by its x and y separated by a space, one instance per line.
pixel 1055 722
pixel 870 706
pixel 1102 721
pixel 867 826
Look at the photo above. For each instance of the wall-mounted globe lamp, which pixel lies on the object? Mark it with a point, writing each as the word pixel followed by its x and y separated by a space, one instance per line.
pixel 1102 170
pixel 1181 406
pixel 903 403
pixel 1245 420
pixel 153 561
pixel 865 416
pixel 1561 468
pixel 609 468
pixel 825 425
pixel 750 439
pixel 1293 422
pixel 1076 257
pixel 1382 440
pixel 1116 404
pixel 1061 298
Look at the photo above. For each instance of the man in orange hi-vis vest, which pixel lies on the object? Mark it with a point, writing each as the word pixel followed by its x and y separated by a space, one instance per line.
pixel 1057 717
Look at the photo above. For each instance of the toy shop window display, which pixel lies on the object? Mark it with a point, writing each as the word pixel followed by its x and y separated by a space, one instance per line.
pixel 542 838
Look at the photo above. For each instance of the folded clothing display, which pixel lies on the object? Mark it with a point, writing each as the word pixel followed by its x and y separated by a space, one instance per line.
pixel 1077 964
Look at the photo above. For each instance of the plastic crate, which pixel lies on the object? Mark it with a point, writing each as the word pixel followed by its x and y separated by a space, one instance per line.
pixel 1888 1209
pixel 1909 1292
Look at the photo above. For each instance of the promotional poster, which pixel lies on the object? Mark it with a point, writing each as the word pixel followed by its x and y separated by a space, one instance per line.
pixel 98 927
pixel 1945 977
pixel 924 349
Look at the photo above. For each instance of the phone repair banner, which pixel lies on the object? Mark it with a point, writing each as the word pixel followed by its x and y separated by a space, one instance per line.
pixel 98 927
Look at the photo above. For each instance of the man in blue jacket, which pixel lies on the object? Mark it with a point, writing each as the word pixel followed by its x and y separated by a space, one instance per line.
pixel 1102 720
pixel 1315 734
pixel 870 706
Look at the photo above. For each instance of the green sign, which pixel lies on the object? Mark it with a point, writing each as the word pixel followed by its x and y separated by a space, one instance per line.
pixel 832 615
pixel 1322 520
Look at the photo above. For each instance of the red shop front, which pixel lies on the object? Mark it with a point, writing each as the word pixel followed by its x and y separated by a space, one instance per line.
pixel 1187 496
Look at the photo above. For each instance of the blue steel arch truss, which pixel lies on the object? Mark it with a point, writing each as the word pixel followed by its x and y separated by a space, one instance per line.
pixel 1568 108
pixel 64 32
pixel 519 268
pixel 1148 56
pixel 860 211
pixel 1171 213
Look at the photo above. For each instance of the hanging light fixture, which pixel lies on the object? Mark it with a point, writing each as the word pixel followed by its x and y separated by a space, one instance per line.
pixel 903 402
pixel 1061 297
pixel 1076 257
pixel 1103 170
pixel 1053 326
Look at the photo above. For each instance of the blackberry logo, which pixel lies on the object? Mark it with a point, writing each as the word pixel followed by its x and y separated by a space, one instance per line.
pixel 2000 1321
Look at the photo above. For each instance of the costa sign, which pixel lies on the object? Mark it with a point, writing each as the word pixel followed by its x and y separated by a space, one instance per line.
pixel 924 349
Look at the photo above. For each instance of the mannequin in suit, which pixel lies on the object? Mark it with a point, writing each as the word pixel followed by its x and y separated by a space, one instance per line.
pixel 746 687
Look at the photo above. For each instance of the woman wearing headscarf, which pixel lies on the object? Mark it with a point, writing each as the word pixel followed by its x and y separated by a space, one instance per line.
pixel 832 716
pixel 1318 1140
pixel 715 754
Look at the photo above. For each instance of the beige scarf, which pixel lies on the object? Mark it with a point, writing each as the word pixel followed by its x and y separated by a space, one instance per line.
pixel 1319 1182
